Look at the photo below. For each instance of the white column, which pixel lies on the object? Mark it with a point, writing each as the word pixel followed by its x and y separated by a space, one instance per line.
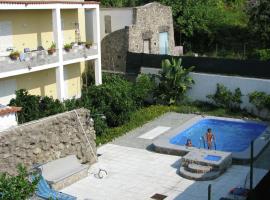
pixel 58 39
pixel 96 34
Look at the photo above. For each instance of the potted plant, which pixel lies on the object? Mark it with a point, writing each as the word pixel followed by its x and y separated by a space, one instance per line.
pixel 14 55
pixel 88 44
pixel 52 49
pixel 67 47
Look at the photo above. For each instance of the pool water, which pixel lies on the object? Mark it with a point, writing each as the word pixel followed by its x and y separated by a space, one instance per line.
pixel 231 136
pixel 212 157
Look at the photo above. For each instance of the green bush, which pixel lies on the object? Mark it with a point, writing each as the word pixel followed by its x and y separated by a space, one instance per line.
pixel 113 99
pixel 174 82
pixel 262 54
pixel 224 98
pixel 260 100
pixel 17 187
pixel 35 107
pixel 143 89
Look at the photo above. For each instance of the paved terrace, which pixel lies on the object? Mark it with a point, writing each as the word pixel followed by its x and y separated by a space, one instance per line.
pixel 135 173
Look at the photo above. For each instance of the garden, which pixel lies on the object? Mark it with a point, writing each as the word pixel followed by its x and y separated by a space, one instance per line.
pixel 118 105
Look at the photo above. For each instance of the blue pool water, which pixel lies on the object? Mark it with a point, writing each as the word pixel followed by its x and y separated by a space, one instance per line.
pixel 231 136
pixel 212 157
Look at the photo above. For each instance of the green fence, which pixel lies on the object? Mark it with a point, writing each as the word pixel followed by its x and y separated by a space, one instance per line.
pixel 248 68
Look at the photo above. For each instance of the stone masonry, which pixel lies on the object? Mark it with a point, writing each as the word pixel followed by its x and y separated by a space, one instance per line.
pixel 48 139
pixel 148 21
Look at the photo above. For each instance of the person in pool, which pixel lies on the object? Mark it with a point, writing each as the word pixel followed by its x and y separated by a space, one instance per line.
pixel 189 143
pixel 209 138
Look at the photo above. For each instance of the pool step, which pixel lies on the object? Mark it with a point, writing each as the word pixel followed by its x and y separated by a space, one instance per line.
pixel 196 168
pixel 184 172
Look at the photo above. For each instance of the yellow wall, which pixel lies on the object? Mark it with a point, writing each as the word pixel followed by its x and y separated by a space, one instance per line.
pixel 38 83
pixel 73 80
pixel 32 28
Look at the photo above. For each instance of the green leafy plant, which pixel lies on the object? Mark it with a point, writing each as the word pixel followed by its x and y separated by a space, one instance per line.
pixel 14 55
pixel 52 48
pixel 262 54
pixel 113 99
pixel 17 187
pixel 67 47
pixel 35 107
pixel 174 82
pixel 225 98
pixel 260 100
pixel 143 89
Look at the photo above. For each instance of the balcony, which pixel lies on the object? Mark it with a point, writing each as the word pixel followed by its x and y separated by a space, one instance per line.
pixel 40 60
pixel 78 52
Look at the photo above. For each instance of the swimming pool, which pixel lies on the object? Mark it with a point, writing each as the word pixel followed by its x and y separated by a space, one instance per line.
pixel 231 136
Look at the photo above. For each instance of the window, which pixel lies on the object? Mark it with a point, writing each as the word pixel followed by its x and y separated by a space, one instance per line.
pixel 108 24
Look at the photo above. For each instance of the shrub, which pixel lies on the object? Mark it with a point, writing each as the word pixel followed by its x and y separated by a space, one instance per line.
pixel 260 100
pixel 29 104
pixel 17 187
pixel 174 82
pixel 113 99
pixel 225 98
pixel 262 54
pixel 35 107
pixel 143 89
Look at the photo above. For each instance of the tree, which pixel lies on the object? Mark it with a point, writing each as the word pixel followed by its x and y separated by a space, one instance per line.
pixel 174 82
pixel 259 20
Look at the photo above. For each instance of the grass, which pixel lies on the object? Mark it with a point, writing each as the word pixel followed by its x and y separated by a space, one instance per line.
pixel 146 114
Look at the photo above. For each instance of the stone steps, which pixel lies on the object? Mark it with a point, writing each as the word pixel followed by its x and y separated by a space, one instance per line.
pixel 196 168
pixel 210 175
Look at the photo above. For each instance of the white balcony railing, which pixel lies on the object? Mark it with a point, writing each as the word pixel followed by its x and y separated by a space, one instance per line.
pixel 35 59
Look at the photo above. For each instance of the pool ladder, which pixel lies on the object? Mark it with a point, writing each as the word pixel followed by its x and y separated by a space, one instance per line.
pixel 202 140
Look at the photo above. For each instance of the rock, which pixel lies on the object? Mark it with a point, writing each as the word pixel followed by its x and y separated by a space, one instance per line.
pixel 37 151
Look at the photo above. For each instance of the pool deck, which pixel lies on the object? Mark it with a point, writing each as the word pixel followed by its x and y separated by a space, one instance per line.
pixel 135 173
pixel 138 174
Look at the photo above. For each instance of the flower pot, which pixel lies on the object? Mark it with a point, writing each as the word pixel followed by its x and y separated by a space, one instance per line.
pixel 51 51
pixel 87 46
pixel 67 49
pixel 14 57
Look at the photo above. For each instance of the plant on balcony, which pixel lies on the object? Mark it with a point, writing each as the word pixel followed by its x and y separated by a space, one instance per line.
pixel 88 44
pixel 52 49
pixel 67 47
pixel 14 55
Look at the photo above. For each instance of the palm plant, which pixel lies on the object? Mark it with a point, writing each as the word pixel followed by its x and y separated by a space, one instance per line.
pixel 174 81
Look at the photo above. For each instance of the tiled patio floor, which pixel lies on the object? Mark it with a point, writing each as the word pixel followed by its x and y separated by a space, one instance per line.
pixel 137 174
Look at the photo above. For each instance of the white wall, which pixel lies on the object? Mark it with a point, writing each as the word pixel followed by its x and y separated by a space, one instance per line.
pixel 7 121
pixel 120 17
pixel 207 83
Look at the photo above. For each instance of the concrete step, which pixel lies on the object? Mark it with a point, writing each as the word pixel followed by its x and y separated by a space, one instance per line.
pixel 196 168
pixel 198 176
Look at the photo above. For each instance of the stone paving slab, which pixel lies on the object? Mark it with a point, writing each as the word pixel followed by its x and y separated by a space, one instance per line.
pixel 137 174
pixel 170 119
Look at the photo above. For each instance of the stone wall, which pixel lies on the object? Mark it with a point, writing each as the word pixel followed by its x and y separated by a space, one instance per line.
pixel 48 139
pixel 114 49
pixel 150 20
